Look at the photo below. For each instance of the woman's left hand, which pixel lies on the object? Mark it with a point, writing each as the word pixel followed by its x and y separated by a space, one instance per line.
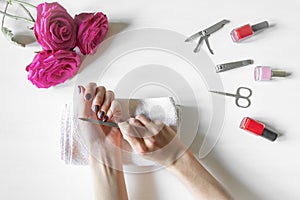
pixel 103 142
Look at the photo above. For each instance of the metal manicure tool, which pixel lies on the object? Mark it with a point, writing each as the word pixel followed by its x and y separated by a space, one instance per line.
pixel 204 34
pixel 232 65
pixel 242 96
pixel 100 122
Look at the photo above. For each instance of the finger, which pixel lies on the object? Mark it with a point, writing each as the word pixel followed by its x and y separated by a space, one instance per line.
pixel 138 129
pixel 168 132
pixel 135 122
pixel 84 106
pixel 81 103
pixel 143 119
pixel 109 97
pixel 164 137
pixel 137 144
pixel 153 128
pixel 150 143
pixel 115 111
pixel 159 140
pixel 98 99
pixel 90 91
pixel 81 91
pixel 158 126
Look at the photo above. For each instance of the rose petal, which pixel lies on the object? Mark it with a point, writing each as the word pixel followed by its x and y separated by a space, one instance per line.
pixel 51 68
pixel 91 31
pixel 54 28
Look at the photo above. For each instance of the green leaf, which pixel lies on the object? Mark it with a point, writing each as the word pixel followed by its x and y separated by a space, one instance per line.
pixel 10 36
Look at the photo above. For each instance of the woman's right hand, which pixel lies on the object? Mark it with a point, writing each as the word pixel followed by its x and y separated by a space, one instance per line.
pixel 154 141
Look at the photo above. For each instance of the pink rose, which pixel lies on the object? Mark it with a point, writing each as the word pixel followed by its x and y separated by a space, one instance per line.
pixel 54 28
pixel 91 31
pixel 51 68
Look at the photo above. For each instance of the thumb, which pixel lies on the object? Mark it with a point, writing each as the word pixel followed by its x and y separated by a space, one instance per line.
pixel 137 144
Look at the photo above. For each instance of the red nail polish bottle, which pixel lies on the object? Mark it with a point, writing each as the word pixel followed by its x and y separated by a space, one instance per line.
pixel 258 128
pixel 247 31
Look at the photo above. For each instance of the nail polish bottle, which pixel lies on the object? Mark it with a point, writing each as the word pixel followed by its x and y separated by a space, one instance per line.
pixel 263 73
pixel 258 128
pixel 247 31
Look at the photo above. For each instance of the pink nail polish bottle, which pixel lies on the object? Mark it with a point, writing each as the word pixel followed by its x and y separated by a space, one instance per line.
pixel 262 73
pixel 247 31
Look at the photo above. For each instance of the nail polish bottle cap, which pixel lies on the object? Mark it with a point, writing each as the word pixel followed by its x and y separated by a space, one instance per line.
pixel 269 134
pixel 260 26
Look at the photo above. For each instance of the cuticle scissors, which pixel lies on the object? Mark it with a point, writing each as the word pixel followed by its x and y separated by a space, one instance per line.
pixel 238 96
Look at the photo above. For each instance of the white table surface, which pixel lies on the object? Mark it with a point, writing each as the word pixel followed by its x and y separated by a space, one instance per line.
pixel 250 167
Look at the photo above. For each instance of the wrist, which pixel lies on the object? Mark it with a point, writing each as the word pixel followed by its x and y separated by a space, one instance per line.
pixel 106 164
pixel 196 178
pixel 106 157
pixel 181 162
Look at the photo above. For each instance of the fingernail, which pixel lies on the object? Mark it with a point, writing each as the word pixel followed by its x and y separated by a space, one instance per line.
pixel 95 108
pixel 101 114
pixel 79 89
pixel 105 118
pixel 88 96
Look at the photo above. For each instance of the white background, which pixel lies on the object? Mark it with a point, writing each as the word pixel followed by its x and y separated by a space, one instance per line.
pixel 250 167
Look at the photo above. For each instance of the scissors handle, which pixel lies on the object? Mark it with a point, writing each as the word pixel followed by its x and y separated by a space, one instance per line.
pixel 242 105
pixel 240 95
pixel 245 98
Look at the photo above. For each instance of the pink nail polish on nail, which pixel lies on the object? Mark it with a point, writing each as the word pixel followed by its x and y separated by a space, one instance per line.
pixel 247 31
pixel 263 73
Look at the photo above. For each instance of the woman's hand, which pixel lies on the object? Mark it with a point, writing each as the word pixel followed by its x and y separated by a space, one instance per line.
pixel 153 140
pixel 98 103
pixel 104 142
pixel 157 142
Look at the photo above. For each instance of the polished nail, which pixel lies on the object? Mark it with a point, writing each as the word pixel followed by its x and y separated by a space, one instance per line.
pixel 105 118
pixel 88 97
pixel 95 108
pixel 101 114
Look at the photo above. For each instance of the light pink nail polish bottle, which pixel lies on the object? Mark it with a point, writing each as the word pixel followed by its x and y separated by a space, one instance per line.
pixel 263 73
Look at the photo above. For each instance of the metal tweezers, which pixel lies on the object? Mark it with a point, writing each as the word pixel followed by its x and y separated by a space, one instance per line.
pixel 204 34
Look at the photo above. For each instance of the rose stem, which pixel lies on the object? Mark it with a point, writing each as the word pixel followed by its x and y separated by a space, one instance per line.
pixel 27 11
pixel 22 2
pixel 16 17
pixel 4 14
